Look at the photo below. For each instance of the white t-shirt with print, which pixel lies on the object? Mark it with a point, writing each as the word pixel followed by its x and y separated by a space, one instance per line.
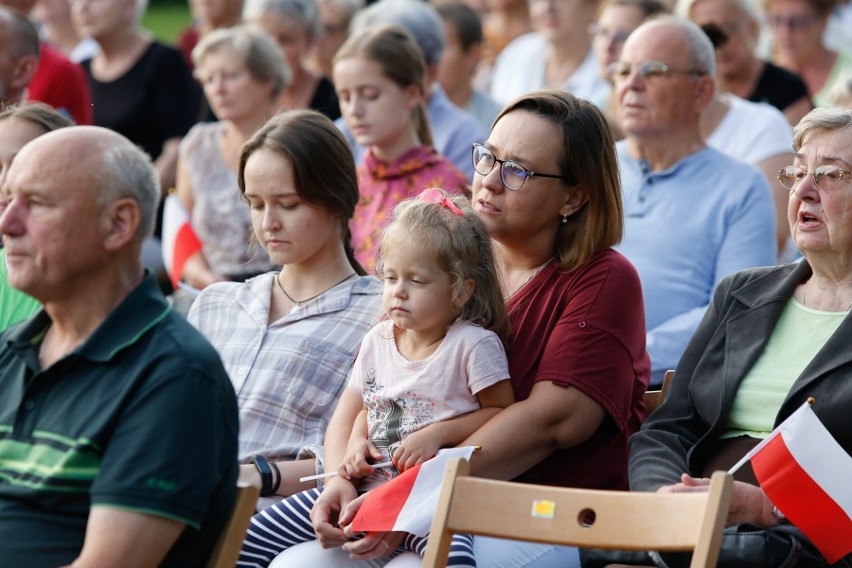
pixel 404 396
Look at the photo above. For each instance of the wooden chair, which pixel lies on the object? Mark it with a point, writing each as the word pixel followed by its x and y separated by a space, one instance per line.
pixel 579 517
pixel 231 540
pixel 655 398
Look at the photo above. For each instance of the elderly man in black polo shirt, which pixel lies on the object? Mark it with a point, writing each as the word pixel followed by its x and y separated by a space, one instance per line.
pixel 118 424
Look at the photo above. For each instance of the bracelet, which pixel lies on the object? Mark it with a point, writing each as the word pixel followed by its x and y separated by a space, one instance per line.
pixel 265 474
pixel 277 483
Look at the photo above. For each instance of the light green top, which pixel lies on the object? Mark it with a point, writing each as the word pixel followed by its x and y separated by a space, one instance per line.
pixel 798 336
pixel 15 306
pixel 839 72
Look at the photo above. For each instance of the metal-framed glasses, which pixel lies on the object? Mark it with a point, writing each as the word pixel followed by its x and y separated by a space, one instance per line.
pixel 513 174
pixel 825 177
pixel 647 70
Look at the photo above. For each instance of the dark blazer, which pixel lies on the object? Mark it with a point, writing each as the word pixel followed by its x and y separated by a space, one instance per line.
pixel 746 306
pixel 738 323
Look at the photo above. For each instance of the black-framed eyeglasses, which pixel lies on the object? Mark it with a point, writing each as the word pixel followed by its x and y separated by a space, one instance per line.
pixel 647 70
pixel 513 174
pixel 825 177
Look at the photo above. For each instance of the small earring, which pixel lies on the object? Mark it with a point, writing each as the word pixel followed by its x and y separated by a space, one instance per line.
pixel 564 218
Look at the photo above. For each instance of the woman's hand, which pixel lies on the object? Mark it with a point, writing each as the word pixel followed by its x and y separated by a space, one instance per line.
pixel 326 513
pixel 749 503
pixel 418 447
pixel 371 545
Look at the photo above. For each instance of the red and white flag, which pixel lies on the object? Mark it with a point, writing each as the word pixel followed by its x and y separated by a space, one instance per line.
pixel 408 501
pixel 179 239
pixel 808 476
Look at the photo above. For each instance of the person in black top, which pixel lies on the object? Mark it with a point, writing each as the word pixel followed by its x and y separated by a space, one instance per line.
pixel 294 25
pixel 140 88
pixel 739 70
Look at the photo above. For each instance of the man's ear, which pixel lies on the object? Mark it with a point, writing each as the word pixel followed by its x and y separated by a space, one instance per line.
pixel 121 223
pixel 22 76
pixel 705 88
pixel 472 57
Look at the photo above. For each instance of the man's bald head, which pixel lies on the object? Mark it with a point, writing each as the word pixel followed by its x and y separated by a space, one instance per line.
pixel 113 166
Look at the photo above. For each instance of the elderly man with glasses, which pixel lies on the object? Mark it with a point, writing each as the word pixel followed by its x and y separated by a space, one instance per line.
pixel 692 215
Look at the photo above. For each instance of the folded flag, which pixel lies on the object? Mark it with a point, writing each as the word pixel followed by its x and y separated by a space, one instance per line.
pixel 179 239
pixel 407 502
pixel 806 474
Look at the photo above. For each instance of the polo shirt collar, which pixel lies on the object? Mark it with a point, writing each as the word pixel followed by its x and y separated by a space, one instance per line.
pixel 141 310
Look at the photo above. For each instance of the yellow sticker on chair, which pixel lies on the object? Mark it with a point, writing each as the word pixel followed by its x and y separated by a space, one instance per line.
pixel 543 509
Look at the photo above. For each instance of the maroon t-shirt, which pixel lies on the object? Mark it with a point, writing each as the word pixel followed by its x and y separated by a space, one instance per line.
pixel 585 329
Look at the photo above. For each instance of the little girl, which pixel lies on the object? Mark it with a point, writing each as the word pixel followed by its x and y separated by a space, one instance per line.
pixel 426 377
pixel 380 77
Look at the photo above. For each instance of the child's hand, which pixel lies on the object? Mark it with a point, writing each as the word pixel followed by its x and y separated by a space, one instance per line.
pixel 416 448
pixel 356 463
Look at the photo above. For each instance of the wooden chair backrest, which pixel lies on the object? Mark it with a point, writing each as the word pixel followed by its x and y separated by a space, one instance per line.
pixel 619 520
pixel 231 540
pixel 655 398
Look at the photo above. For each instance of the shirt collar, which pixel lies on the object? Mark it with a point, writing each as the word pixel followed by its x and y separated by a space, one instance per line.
pixel 140 310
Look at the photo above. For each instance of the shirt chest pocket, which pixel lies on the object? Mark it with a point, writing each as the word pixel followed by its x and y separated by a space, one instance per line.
pixel 313 375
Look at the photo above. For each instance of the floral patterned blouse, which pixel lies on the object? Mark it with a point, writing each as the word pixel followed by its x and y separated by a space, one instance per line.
pixel 384 184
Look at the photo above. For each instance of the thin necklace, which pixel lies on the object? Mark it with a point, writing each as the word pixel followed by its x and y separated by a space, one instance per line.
pixel 530 277
pixel 805 298
pixel 300 302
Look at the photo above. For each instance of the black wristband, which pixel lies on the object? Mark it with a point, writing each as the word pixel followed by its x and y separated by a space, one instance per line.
pixel 277 483
pixel 265 474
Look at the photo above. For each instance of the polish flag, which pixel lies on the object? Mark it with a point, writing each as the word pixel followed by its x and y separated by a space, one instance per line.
pixel 408 501
pixel 808 476
pixel 179 240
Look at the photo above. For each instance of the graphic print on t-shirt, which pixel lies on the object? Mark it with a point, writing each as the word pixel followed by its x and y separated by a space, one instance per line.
pixel 391 420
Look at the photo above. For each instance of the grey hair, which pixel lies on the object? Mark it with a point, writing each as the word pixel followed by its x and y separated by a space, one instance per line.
pixel 262 56
pixel 305 12
pixel 833 118
pixel 701 51
pixel 129 173
pixel 418 18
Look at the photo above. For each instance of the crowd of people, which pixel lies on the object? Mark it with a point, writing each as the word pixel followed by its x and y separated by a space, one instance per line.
pixel 412 225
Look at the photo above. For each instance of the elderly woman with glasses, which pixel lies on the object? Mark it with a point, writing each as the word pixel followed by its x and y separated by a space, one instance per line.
pixel 797 28
pixel 547 188
pixel 772 339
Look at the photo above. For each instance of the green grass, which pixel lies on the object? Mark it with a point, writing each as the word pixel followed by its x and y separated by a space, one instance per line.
pixel 166 20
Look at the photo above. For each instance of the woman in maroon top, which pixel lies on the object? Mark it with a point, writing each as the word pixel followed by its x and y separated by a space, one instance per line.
pixel 547 187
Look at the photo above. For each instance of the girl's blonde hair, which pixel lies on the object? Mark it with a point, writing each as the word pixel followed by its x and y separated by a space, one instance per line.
pixel 401 61
pixel 461 246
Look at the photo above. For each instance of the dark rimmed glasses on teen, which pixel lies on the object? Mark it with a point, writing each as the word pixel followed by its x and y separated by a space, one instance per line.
pixel 825 177
pixel 513 174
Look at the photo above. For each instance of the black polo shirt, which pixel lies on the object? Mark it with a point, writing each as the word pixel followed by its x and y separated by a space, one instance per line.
pixel 140 417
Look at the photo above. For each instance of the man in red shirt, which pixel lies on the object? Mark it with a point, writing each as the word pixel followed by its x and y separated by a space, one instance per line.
pixel 18 55
pixel 57 81
pixel 61 84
